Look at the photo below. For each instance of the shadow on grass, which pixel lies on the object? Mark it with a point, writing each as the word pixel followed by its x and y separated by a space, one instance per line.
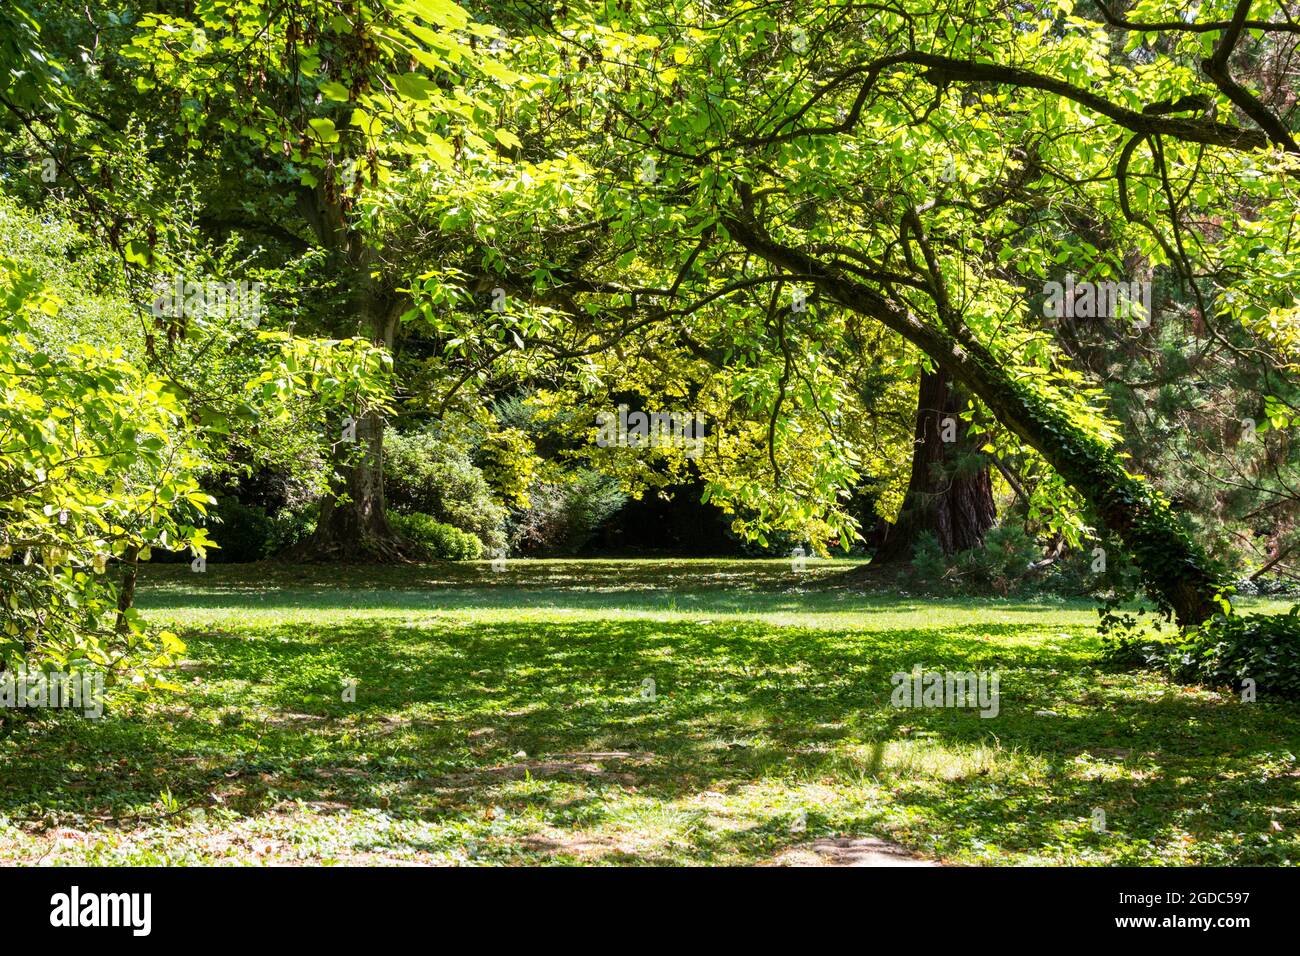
pixel 558 721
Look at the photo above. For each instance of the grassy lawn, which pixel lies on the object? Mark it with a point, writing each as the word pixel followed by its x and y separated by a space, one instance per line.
pixel 500 719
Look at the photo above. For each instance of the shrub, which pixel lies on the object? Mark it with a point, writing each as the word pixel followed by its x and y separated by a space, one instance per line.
pixel 929 562
pixel 563 516
pixel 427 476
pixel 1222 652
pixel 439 541
pixel 1267 587
pixel 243 532
pixel 1004 561
pixel 96 466
pixel 289 527
pixel 1129 648
pixel 1002 564
pixel 1231 648
pixel 507 459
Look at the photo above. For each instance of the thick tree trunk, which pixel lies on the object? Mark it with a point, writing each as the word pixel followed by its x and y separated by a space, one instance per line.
pixel 945 495
pixel 1175 571
pixel 353 524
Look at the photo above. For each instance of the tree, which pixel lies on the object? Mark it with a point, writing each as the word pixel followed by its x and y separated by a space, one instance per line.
pixel 95 465
pixel 326 115
pixel 106 432
pixel 906 166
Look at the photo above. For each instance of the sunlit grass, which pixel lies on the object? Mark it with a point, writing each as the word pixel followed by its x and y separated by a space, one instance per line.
pixel 505 718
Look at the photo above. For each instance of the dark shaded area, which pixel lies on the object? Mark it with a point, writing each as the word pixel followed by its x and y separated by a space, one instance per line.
pixel 682 526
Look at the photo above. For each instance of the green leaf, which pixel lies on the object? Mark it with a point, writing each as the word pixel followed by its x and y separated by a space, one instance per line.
pixel 324 130
pixel 138 251
pixel 336 91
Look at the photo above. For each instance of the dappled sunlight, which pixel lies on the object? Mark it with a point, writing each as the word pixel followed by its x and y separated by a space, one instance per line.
pixel 571 731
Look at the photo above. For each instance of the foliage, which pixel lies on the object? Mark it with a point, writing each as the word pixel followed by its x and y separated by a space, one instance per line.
pixel 724 173
pixel 96 466
pixel 929 563
pixel 244 530
pixel 1004 565
pixel 1232 648
pixel 438 541
pixel 378 82
pixel 1266 587
pixel 1227 651
pixel 651 188
pixel 290 526
pixel 563 515
pixel 508 461
pixel 425 474
pixel 682 207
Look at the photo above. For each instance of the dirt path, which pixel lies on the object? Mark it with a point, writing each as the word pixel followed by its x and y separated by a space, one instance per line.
pixel 849 851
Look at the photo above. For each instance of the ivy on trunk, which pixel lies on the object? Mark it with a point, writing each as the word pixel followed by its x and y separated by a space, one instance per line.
pixel 1176 573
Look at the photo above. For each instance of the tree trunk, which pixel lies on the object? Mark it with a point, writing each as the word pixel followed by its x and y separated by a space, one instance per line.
pixel 1176 572
pixel 353 524
pixel 353 521
pixel 126 592
pixel 946 496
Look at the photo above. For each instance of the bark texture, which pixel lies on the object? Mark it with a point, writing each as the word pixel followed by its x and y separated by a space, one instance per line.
pixel 353 521
pixel 951 501
pixel 353 524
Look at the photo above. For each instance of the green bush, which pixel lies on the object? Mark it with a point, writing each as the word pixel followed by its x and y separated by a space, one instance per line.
pixel 1229 649
pixel 1004 561
pixel 1266 587
pixel 97 465
pixel 929 563
pixel 288 527
pixel 1003 564
pixel 427 476
pixel 439 541
pixel 1130 648
pixel 563 516
pixel 1223 652
pixel 247 532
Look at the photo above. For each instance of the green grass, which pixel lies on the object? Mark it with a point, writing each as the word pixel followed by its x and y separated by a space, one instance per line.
pixel 499 720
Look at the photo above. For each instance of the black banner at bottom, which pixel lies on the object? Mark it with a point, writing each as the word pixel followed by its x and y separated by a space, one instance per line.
pixel 333 906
